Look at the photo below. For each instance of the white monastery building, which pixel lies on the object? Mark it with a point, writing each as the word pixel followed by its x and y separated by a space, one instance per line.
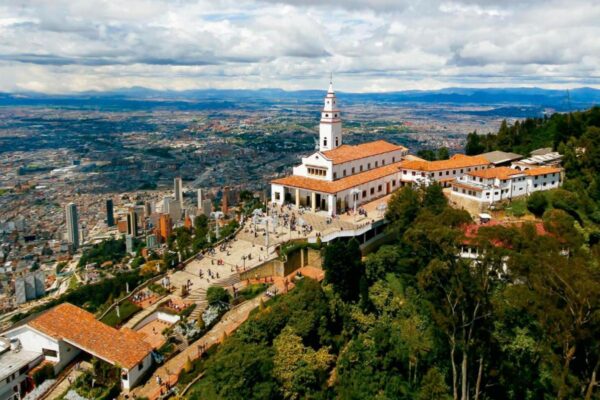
pixel 504 183
pixel 339 177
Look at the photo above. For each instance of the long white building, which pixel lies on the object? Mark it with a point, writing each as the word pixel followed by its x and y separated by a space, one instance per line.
pixel 504 183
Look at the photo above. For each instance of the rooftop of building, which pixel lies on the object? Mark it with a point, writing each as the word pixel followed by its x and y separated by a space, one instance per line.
pixel 72 324
pixel 339 185
pixel 12 361
pixel 495 173
pixel 501 157
pixel 456 161
pixel 542 171
pixel 346 153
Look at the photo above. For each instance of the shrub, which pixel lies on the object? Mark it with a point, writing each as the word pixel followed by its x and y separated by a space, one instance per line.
pixel 216 295
pixel 44 372
pixel 537 203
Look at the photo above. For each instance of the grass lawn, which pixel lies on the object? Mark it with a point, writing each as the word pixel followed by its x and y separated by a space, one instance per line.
pixel 73 283
pixel 127 309
pixel 517 208
pixel 252 291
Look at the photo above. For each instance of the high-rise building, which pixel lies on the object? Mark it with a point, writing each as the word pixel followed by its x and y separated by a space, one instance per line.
pixel 129 244
pixel 30 286
pixel 164 227
pixel 72 225
pixel 151 242
pixel 173 208
pixel 178 189
pixel 199 198
pixel 110 216
pixel 132 223
pixel 147 209
pixel 206 207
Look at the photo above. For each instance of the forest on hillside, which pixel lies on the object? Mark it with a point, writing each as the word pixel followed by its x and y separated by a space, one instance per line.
pixel 415 321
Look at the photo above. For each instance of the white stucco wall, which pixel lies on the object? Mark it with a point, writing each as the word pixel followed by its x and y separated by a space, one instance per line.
pixel 32 340
pixel 134 374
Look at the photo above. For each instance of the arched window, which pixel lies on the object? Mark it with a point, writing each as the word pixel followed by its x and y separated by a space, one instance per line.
pixel 327 115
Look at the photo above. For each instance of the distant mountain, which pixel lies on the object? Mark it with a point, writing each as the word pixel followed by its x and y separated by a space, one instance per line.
pixel 138 97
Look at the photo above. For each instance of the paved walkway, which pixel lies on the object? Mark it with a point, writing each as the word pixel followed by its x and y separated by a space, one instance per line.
pixel 170 370
pixel 131 322
pixel 66 381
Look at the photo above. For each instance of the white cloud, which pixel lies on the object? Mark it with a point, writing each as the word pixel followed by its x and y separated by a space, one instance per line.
pixel 370 45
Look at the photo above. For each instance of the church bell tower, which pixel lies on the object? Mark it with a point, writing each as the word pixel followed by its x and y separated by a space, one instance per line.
pixel 330 128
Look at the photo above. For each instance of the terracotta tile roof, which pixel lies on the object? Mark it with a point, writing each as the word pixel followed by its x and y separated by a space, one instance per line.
pixel 339 185
pixel 80 328
pixel 346 153
pixel 456 161
pixel 492 173
pixel 542 171
pixel 472 230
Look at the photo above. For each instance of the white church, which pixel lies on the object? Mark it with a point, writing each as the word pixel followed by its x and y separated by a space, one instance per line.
pixel 338 175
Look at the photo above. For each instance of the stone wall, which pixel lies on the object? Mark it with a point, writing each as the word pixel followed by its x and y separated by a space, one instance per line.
pixel 276 267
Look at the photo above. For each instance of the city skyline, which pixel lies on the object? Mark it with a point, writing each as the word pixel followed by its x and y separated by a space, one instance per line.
pixel 370 46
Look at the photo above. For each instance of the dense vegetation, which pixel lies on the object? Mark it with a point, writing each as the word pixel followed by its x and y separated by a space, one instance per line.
pixel 577 137
pixel 415 321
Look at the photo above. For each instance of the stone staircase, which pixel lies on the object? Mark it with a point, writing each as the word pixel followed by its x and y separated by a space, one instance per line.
pixel 231 280
pixel 198 296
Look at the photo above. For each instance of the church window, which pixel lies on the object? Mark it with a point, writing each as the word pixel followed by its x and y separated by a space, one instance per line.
pixel 327 115
pixel 336 142
pixel 372 190
pixel 325 142
pixel 344 172
pixel 368 165
pixel 361 168
pixel 352 170
pixel 376 164
pixel 335 115
pixel 382 162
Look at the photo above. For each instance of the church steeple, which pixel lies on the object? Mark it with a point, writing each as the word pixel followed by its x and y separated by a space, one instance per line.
pixel 330 128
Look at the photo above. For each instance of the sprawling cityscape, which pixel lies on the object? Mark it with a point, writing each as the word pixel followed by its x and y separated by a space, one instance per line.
pixel 164 239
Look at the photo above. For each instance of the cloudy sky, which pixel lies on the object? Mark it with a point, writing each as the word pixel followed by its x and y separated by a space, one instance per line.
pixel 60 46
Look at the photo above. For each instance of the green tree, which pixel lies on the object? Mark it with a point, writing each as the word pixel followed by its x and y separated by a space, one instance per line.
pixel 426 154
pixel 473 145
pixel 343 268
pixel 299 369
pixel 443 153
pixel 537 203
pixel 217 295
pixel 402 210
pixel 433 386
pixel 434 198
